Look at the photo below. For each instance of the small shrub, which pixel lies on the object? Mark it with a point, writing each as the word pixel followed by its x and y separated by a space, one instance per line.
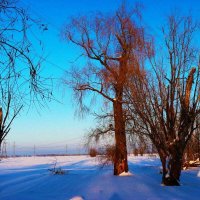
pixel 135 152
pixel 141 151
pixel 107 155
pixel 110 153
pixel 93 152
pixel 57 170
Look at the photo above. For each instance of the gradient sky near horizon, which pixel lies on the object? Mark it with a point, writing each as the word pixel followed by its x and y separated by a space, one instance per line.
pixel 57 125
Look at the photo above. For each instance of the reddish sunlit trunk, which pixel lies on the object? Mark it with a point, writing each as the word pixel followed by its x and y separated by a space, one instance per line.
pixel 120 161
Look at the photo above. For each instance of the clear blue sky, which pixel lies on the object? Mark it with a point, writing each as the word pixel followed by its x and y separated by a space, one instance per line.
pixel 56 125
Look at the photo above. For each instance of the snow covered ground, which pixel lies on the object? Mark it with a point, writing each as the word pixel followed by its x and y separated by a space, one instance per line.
pixel 28 178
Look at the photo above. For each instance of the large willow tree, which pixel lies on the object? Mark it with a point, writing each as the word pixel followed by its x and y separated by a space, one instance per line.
pixel 112 45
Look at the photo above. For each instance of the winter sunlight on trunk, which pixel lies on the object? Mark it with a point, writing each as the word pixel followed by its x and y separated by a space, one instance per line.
pixel 113 45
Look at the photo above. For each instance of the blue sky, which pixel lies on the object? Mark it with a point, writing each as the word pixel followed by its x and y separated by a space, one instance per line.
pixel 56 125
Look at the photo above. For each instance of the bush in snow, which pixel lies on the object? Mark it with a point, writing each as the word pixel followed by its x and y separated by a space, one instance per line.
pixel 135 152
pixel 92 152
pixel 57 170
pixel 107 155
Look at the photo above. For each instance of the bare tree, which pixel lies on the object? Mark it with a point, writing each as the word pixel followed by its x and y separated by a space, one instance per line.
pixel 12 109
pixel 192 151
pixel 21 81
pixel 113 45
pixel 165 103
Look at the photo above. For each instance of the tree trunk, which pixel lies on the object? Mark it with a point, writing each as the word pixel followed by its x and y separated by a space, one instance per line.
pixel 164 167
pixel 1 132
pixel 120 161
pixel 172 166
pixel 0 145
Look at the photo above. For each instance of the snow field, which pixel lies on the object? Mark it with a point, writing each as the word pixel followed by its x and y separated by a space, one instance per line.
pixel 29 178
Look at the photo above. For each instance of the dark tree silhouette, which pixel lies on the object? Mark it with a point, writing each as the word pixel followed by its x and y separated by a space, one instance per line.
pixel 165 104
pixel 11 110
pixel 20 78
